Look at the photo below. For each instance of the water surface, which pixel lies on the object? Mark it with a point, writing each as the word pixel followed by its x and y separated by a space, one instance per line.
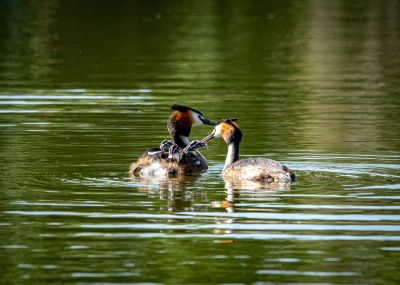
pixel 85 87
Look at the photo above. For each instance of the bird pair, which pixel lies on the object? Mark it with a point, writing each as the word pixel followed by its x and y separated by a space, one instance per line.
pixel 179 156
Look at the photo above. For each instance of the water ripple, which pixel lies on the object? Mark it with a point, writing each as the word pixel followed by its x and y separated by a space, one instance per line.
pixel 186 215
pixel 225 236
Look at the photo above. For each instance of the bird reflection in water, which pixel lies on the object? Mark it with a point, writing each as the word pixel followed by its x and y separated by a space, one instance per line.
pixel 180 192
pixel 245 190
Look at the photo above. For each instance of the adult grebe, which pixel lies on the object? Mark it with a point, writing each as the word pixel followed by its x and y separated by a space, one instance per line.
pixel 177 156
pixel 255 169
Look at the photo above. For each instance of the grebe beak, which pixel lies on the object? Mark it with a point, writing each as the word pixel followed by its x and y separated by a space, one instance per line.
pixel 208 138
pixel 206 121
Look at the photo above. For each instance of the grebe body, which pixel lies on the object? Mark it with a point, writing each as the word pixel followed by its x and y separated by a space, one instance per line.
pixel 255 169
pixel 161 161
pixel 159 164
pixel 259 169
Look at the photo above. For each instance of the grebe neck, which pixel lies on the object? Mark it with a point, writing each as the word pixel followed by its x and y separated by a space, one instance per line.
pixel 181 140
pixel 232 155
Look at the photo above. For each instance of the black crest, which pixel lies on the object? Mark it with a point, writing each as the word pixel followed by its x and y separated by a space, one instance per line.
pixel 230 120
pixel 237 135
pixel 184 108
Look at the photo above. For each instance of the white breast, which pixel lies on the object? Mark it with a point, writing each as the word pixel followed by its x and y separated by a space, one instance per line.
pixel 154 169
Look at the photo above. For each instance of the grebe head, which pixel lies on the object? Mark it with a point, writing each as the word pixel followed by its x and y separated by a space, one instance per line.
pixel 226 129
pixel 181 121
pixel 190 116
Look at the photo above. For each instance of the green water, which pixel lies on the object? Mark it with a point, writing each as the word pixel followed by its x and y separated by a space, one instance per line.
pixel 85 87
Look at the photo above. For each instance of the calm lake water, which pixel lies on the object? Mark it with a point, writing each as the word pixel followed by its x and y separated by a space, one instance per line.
pixel 85 88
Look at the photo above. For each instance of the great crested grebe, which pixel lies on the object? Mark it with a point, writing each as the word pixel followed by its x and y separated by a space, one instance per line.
pixel 177 156
pixel 254 169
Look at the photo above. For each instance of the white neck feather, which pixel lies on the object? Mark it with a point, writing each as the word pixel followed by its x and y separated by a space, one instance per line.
pixel 232 155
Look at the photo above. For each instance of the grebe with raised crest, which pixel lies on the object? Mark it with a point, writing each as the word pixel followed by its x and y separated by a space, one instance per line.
pixel 176 156
pixel 255 169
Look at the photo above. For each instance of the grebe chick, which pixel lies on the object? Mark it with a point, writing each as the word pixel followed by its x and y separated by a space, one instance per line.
pixel 254 169
pixel 177 156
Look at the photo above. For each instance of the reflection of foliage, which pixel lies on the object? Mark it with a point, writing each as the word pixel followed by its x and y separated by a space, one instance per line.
pixel 296 75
